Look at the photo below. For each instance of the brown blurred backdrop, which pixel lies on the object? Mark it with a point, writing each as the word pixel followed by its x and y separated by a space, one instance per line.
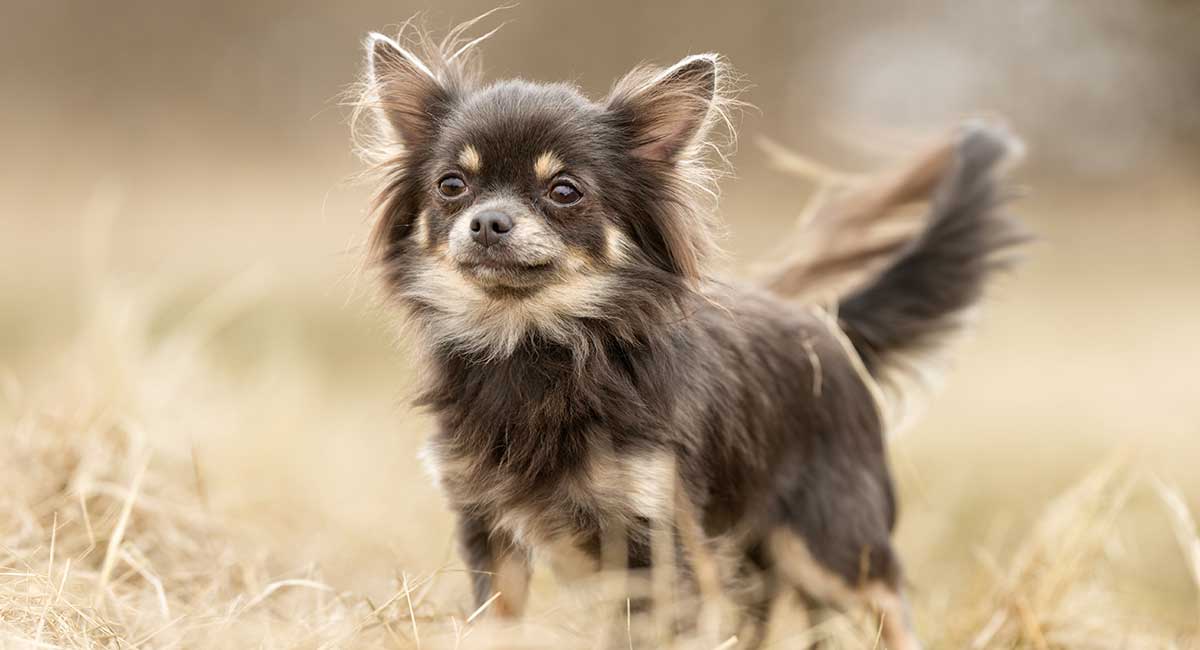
pixel 175 145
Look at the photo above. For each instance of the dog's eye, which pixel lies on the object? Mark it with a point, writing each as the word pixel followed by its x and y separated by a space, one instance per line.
pixel 452 186
pixel 564 193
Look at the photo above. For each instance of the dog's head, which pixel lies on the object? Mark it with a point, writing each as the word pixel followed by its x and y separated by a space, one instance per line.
pixel 516 209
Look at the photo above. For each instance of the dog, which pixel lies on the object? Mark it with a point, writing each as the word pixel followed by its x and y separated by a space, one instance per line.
pixel 594 385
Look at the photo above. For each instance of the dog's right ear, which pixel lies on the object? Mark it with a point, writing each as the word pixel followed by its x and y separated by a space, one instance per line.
pixel 406 93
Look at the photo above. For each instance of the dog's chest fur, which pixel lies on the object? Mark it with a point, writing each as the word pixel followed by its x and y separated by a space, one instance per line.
pixel 572 508
pixel 548 452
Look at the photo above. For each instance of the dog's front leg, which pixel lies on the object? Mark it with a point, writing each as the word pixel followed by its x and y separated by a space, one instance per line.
pixel 499 568
pixel 674 583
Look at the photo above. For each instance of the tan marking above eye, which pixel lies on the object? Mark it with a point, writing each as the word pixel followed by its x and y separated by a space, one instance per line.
pixel 470 159
pixel 547 165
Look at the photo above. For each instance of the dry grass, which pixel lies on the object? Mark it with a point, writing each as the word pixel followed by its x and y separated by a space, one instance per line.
pixel 110 539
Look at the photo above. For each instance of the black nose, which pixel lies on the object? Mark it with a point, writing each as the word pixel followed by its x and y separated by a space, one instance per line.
pixel 489 227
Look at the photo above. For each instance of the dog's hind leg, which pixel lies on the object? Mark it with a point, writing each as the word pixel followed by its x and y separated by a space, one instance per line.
pixel 877 590
pixel 756 594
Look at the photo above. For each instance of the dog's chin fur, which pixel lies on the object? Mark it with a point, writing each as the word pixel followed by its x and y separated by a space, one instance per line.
pixel 489 317
pixel 487 308
pixel 573 304
pixel 592 381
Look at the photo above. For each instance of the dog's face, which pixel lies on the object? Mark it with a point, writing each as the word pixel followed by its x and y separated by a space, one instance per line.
pixel 517 208
pixel 515 190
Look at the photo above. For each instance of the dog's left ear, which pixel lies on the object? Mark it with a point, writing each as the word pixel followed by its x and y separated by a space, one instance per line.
pixel 667 113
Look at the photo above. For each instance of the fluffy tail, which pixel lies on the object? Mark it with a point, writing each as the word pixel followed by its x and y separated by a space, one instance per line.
pixel 910 308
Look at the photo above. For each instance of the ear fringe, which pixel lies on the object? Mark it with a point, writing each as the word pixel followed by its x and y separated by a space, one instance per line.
pixel 693 229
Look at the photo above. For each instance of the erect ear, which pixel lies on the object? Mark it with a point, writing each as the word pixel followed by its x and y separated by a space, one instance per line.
pixel 667 112
pixel 407 94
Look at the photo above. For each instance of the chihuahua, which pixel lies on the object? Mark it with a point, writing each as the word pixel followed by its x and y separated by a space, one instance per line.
pixel 594 384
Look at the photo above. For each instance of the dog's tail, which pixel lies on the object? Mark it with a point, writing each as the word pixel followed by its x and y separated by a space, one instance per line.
pixel 909 310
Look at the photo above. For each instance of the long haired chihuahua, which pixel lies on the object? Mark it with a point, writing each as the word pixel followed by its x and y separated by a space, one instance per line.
pixel 596 388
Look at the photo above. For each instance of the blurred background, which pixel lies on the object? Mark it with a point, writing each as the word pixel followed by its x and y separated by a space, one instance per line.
pixel 170 150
